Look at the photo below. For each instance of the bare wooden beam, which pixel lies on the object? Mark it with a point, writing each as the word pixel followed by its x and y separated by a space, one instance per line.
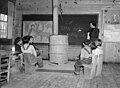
pixel 55 17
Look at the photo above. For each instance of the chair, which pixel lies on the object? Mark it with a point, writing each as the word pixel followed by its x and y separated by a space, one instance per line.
pixel 87 66
pixel 95 66
pixel 18 60
pixel 4 68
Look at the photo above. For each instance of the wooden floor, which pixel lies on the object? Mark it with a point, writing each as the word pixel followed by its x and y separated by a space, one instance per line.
pixel 110 78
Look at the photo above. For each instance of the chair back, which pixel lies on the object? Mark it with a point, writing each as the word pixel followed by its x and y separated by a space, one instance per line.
pixel 4 67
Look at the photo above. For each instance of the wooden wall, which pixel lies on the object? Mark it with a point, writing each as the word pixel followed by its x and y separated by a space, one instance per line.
pixel 68 7
pixel 112 52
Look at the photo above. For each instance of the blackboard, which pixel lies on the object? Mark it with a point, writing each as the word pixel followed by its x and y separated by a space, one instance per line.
pixel 76 27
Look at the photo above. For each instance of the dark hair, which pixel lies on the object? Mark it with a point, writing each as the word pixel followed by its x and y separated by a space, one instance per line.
pixel 93 23
pixel 17 40
pixel 26 39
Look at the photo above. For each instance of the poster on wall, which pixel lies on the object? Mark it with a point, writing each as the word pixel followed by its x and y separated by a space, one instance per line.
pixel 112 25
pixel 40 30
pixel 112 16
pixel 112 33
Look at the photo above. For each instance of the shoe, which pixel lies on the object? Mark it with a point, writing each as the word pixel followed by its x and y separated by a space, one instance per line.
pixel 38 65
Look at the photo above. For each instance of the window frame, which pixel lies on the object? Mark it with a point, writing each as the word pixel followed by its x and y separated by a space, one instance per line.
pixel 6 29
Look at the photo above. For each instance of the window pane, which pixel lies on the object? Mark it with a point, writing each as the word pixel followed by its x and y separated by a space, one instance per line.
pixel 3 33
pixel 1 16
pixel 1 25
pixel 5 25
pixel 5 17
pixel 3 29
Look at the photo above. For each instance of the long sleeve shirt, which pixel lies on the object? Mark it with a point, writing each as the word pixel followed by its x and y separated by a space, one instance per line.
pixel 94 33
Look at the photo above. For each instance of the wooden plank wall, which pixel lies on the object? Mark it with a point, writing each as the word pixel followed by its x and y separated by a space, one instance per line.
pixel 112 52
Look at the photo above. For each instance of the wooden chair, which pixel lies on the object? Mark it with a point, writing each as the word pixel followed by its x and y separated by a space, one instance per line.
pixel 87 66
pixel 95 66
pixel 4 68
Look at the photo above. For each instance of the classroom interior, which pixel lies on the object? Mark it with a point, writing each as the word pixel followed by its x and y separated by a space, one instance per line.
pixel 61 27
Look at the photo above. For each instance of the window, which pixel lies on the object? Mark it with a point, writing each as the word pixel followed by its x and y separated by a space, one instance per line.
pixel 3 25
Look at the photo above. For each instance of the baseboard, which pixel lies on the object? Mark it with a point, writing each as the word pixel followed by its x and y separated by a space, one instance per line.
pixel 53 70
pixel 68 59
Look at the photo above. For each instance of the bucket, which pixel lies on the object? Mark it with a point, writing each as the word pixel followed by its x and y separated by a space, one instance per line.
pixel 59 49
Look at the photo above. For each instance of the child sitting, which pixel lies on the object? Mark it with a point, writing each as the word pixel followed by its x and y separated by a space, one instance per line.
pixel 85 57
pixel 30 55
pixel 18 53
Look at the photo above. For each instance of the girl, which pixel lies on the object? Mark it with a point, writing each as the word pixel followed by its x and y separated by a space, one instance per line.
pixel 30 55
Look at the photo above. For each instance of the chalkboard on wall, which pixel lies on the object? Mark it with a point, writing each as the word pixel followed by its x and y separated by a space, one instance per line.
pixel 76 27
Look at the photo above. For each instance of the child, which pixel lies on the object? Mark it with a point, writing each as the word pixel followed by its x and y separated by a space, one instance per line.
pixel 40 62
pixel 18 53
pixel 85 57
pixel 97 59
pixel 30 55
pixel 18 43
